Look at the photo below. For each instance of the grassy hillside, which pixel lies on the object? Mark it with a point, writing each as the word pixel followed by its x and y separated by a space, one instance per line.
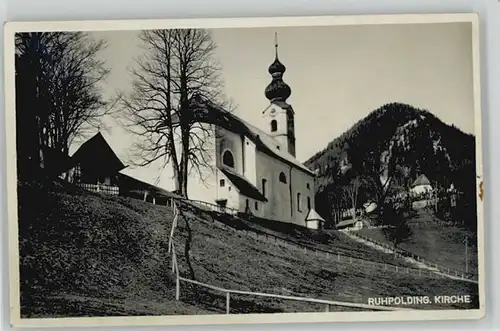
pixel 91 255
pixel 441 244
pixel 92 249
pixel 334 242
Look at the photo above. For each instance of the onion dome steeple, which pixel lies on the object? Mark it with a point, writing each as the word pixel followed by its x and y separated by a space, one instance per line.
pixel 277 89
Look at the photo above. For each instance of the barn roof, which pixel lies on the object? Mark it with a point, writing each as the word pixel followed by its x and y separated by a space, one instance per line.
pixel 243 185
pixel 421 180
pixel 97 153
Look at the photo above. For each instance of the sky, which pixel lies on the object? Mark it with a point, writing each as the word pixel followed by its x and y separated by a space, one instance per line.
pixel 337 74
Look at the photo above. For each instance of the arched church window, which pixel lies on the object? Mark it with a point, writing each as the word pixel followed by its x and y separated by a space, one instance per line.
pixel 264 182
pixel 282 177
pixel 228 159
pixel 274 126
pixel 308 203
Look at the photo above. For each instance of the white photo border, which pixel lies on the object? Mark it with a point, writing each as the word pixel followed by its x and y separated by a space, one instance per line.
pixel 10 28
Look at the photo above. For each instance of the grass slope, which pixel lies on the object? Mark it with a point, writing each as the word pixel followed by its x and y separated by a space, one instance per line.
pixel 332 241
pixel 441 244
pixel 92 255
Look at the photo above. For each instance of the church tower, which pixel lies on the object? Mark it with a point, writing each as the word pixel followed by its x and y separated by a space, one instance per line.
pixel 279 115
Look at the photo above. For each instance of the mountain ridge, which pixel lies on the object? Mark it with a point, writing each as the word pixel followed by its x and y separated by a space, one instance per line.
pixel 396 143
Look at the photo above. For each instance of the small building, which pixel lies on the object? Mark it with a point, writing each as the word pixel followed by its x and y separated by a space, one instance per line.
pixel 351 225
pixel 314 220
pixel 95 167
pixel 421 185
pixel 369 207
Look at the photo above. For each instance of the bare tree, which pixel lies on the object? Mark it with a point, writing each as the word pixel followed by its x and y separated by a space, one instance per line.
pixel 177 68
pixel 351 190
pixel 57 89
pixel 336 202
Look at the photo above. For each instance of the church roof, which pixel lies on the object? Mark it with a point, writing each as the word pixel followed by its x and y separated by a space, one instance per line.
pixel 268 144
pixel 421 180
pixel 207 112
pixel 243 185
pixel 277 88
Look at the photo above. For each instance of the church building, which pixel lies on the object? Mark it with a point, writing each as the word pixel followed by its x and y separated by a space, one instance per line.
pixel 256 168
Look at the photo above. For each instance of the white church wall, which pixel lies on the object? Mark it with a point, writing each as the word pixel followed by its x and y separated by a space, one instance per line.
pixel 278 193
pixel 226 140
pixel 226 190
pixel 303 184
pixel 255 206
pixel 249 155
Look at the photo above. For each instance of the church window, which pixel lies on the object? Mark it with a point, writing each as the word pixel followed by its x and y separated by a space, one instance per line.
pixel 282 177
pixel 228 159
pixel 308 186
pixel 256 205
pixel 274 126
pixel 308 203
pixel 222 182
pixel 299 205
pixel 264 182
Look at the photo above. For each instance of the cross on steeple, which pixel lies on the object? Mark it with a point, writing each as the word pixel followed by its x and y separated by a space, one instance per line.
pixel 276 43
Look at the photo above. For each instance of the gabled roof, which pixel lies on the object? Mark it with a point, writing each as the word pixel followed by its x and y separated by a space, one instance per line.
pixel 243 185
pixel 97 153
pixel 421 180
pixel 314 216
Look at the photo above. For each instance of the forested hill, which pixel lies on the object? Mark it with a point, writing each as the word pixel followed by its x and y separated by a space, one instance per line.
pixel 397 140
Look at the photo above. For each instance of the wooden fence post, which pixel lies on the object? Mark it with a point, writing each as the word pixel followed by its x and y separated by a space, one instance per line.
pixel 177 288
pixel 327 309
pixel 227 302
pixel 338 257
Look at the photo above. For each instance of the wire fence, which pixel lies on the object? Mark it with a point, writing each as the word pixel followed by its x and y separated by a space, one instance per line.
pixel 470 276
pixel 423 268
pixel 228 292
